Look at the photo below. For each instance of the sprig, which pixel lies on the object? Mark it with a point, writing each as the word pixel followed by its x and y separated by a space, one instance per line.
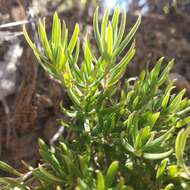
pixel 121 135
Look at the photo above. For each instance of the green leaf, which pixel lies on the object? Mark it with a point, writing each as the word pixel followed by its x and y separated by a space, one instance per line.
pixel 115 19
pixel 161 169
pixel 128 38
pixel 56 31
pixel 97 31
pixel 83 166
pixel 51 178
pixel 44 40
pixel 184 111
pixel 73 40
pixel 153 118
pixel 165 100
pixel 64 36
pixel 145 134
pixel 77 51
pixel 117 72
pixel 151 144
pixel 13 183
pixel 56 34
pixel 87 56
pixel 109 40
pixel 48 157
pixel 121 30
pixel 169 187
pixel 180 145
pixel 157 156
pixel 111 109
pixel 100 181
pixel 127 146
pixel 183 122
pixel 103 28
pixel 155 71
pixel 142 136
pixel 74 98
pixel 164 74
pixel 60 61
pixel 111 173
pixel 81 185
pixel 120 184
pixel 71 167
pixel 175 103
pixel 64 148
pixel 5 167
pixel 31 44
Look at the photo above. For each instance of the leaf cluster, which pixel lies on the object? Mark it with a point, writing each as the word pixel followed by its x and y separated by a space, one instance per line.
pixel 121 135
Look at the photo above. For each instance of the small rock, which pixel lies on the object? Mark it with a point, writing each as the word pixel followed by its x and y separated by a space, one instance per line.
pixel 180 83
pixel 8 69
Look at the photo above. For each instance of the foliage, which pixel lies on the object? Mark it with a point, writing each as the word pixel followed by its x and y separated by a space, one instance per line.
pixel 121 133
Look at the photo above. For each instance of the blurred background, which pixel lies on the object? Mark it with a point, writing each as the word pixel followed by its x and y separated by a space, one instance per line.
pixel 29 99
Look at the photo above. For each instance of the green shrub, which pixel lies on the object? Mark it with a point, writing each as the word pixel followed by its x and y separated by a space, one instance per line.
pixel 121 135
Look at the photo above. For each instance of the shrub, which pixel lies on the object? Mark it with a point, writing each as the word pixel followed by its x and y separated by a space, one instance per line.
pixel 121 135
